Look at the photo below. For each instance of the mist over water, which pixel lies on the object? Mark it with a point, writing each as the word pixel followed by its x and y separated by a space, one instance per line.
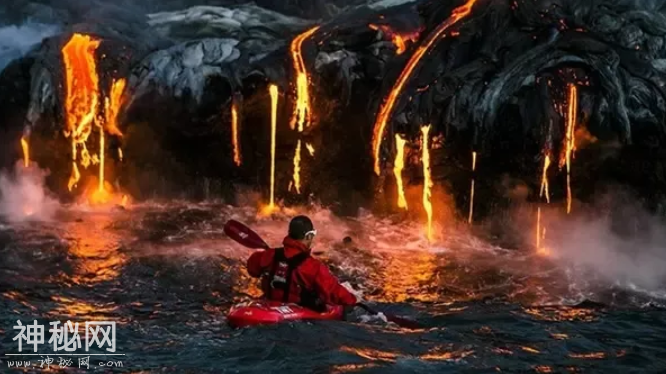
pixel 23 195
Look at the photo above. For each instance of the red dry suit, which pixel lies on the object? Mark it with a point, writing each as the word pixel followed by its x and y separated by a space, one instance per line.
pixel 290 274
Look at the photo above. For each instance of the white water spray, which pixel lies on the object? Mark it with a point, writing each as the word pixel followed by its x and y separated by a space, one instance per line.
pixel 23 196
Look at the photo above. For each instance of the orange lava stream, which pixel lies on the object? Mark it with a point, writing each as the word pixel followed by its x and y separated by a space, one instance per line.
pixel 112 106
pixel 273 90
pixel 398 165
pixel 386 109
pixel 427 179
pixel 101 160
pixel 297 168
pixel 399 40
pixel 302 112
pixel 234 132
pixel 310 149
pixel 26 152
pixel 570 145
pixel 544 179
pixel 82 95
pixel 471 191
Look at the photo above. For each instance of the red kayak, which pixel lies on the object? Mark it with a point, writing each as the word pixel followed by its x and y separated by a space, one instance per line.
pixel 264 312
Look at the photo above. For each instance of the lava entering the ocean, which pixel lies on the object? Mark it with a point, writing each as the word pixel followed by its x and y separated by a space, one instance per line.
pixel 26 152
pixel 471 190
pixel 570 146
pixel 234 132
pixel 427 179
pixel 273 90
pixel 82 96
pixel 386 109
pixel 399 164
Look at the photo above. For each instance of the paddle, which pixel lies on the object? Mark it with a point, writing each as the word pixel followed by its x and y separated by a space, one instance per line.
pixel 245 236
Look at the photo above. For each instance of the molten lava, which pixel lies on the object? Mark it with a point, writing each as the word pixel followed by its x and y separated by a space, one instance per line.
pixel 399 40
pixel 398 165
pixel 310 149
pixel 234 132
pixel 427 179
pixel 26 152
pixel 112 105
pixel 544 179
pixel 302 111
pixel 82 96
pixel 386 109
pixel 570 146
pixel 471 190
pixel 297 168
pixel 540 234
pixel 273 90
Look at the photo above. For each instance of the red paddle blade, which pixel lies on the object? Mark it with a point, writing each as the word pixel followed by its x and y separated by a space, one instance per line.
pixel 244 235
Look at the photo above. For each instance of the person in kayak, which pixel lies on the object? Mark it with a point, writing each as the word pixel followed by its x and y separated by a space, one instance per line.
pixel 290 274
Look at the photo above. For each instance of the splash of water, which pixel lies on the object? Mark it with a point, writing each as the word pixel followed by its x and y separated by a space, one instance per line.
pixel 23 196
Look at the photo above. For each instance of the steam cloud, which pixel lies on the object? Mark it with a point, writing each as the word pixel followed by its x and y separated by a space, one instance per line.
pixel 601 245
pixel 15 41
pixel 23 196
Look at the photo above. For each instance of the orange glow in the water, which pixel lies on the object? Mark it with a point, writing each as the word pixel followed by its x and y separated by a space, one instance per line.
pixel 112 106
pixel 82 95
pixel 570 145
pixel 302 111
pixel 297 168
pixel 471 190
pixel 273 90
pixel 26 152
pixel 399 40
pixel 427 179
pixel 386 110
pixel 544 179
pixel 234 132
pixel 398 165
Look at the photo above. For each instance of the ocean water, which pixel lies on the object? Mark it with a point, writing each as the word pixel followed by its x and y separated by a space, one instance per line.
pixel 166 275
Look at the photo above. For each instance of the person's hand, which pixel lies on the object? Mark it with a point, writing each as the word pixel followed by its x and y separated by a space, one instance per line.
pixel 357 294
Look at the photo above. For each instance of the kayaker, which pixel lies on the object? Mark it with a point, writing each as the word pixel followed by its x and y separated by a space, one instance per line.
pixel 290 274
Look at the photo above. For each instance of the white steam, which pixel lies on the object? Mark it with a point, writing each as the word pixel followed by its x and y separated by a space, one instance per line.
pixel 634 261
pixel 15 41
pixel 23 196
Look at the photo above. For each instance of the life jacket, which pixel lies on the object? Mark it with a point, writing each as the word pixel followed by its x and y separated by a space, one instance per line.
pixel 281 275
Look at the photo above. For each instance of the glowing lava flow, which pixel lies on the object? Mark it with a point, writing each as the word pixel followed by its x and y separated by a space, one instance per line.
pixel 273 90
pixel 427 179
pixel 82 96
pixel 297 168
pixel 471 190
pixel 399 40
pixel 302 112
pixel 112 106
pixel 26 152
pixel 386 109
pixel 234 132
pixel 541 231
pixel 570 146
pixel 398 165
pixel 544 179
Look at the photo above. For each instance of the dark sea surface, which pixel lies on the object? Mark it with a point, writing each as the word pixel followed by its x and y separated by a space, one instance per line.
pixel 167 275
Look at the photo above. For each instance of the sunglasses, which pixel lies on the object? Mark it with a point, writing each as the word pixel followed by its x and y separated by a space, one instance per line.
pixel 311 232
